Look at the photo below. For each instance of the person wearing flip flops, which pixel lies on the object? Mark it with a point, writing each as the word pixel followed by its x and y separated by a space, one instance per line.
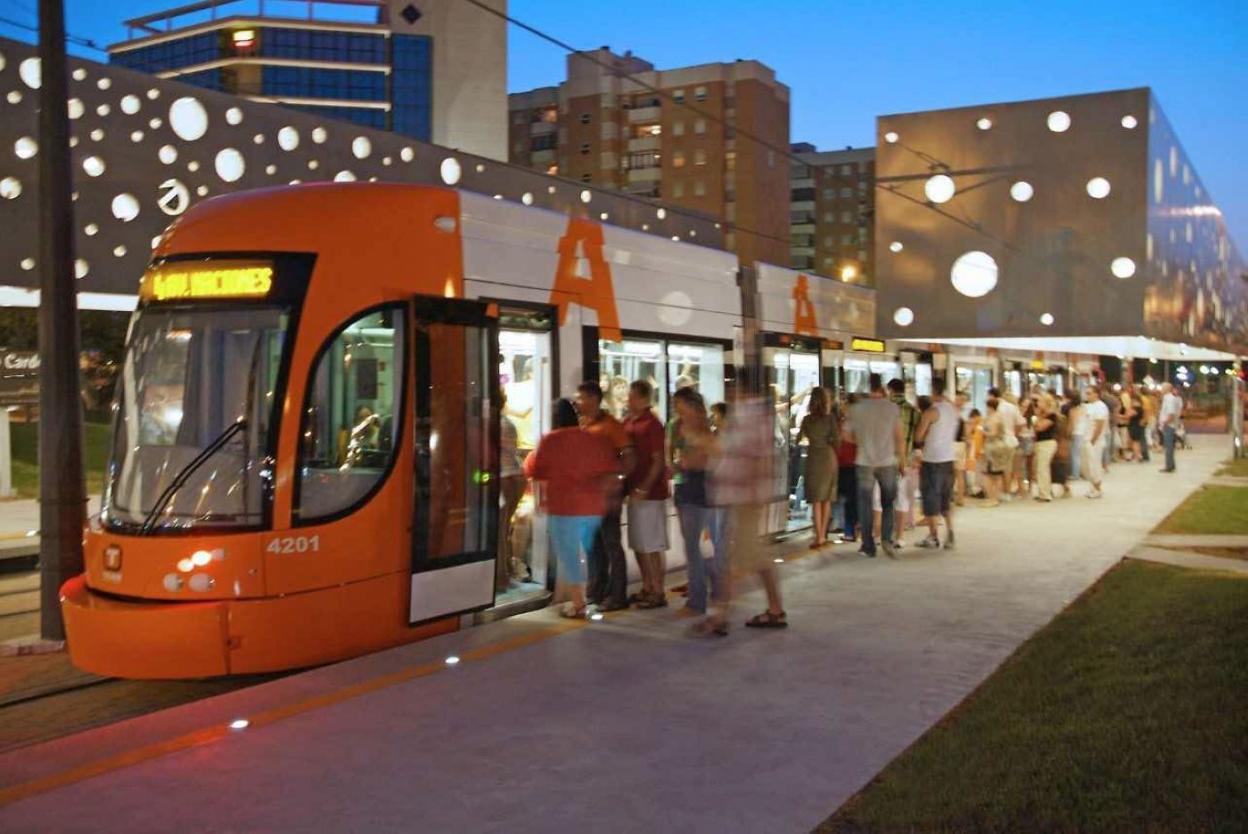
pixel 579 469
pixel 647 495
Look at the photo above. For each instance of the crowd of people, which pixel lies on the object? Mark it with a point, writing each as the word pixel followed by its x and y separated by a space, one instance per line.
pixel 875 465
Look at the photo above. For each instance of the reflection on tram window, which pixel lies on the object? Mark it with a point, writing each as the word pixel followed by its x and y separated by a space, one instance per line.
pixel 350 417
pixel 622 363
pixel 699 366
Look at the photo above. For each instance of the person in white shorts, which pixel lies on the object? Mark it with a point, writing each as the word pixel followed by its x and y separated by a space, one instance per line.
pixel 1094 428
pixel 647 495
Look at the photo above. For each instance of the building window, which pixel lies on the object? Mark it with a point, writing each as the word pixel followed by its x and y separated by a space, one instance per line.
pixel 678 96
pixel 678 128
pixel 584 118
pixel 699 188
pixel 828 242
pixel 587 177
pixel 699 157
pixel 847 192
pixel 669 365
pixel 699 126
pixel 678 188
pixel 771 159
pixel 730 161
pixel 678 159
pixel 643 160
pixel 546 142
pixel 847 170
pixel 829 194
pixel 829 217
pixel 847 217
pixel 584 149
pixel 699 94
pixel 847 240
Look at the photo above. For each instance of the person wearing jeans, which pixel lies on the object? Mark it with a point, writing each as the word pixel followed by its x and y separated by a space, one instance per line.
pixel 695 445
pixel 1168 420
pixel 875 426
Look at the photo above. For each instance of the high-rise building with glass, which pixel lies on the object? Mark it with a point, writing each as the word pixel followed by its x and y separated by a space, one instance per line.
pixel 437 74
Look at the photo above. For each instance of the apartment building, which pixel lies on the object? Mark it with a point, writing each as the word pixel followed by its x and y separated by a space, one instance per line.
pixel 708 138
pixel 831 208
pixel 437 73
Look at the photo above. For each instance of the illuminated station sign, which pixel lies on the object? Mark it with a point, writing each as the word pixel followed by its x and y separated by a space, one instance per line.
pixel 180 281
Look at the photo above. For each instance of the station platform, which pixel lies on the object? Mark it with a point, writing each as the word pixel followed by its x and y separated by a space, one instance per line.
pixel 622 725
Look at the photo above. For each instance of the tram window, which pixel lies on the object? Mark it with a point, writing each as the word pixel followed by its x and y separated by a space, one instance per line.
pixel 701 366
pixel 622 363
pixel 351 415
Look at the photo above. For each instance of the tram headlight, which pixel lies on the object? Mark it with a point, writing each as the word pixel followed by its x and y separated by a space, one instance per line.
pixel 112 557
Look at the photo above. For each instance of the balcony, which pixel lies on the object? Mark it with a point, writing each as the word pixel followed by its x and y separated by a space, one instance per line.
pixel 639 175
pixel 802 228
pixel 542 128
pixel 645 143
pixel 643 114
pixel 803 205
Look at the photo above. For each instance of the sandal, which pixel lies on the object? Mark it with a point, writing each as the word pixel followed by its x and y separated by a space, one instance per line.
pixel 768 620
pixel 654 601
pixel 570 612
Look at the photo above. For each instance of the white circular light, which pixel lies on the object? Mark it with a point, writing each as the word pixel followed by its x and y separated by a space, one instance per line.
pixel 14 97
pixel 385 160
pixel 125 207
pixel 229 164
pixel 407 154
pixel 156 241
pixel 10 188
pixel 1122 267
pixel 984 124
pixel 119 251
pixel 940 188
pixel 192 166
pixel 1022 191
pixel 136 136
pixel 188 118
pixel 239 724
pixel 527 198
pixel 258 139
pixel 81 268
pixel 480 169
pixel 202 191
pixel 130 104
pixel 895 246
pixel 319 135
pixel 80 74
pixel 903 316
pixel 891 137
pixel 167 154
pixel 73 141
pixel 313 164
pixel 288 138
pixel 27 264
pixel 452 660
pixel 103 110
pixel 604 216
pixel 172 582
pixel 154 123
pixel 1047 319
pixel 586 195
pixel 31 72
pixel 974 274
pixel 270 169
pixel 1059 121
pixel 234 116
pixel 344 176
pixel 661 214
pixel 1098 188
pixel 104 83
pixel 361 147
pixel 200 582
pixel 450 170
pixel 1129 122
pixel 25 147
pixel 76 108
pixel 91 229
pixel 153 94
pixel 97 135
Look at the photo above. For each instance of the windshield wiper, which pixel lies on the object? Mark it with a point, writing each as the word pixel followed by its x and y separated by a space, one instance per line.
pixel 185 472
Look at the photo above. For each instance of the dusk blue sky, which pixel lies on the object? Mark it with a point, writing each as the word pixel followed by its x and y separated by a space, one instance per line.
pixel 847 62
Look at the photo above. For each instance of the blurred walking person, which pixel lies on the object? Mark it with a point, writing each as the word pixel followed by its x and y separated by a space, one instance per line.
pixel 694 447
pixel 819 428
pixel 579 469
pixel 876 428
pixel 938 432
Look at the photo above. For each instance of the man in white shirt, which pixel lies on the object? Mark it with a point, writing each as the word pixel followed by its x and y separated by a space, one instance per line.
pixel 1014 423
pixel 938 431
pixel 1094 418
pixel 1168 421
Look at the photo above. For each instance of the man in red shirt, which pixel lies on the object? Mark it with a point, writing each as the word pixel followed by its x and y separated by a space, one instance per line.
pixel 647 494
pixel 608 570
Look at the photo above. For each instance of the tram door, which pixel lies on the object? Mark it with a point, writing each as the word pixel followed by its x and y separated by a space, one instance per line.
pixel 791 375
pixel 526 375
pixel 455 517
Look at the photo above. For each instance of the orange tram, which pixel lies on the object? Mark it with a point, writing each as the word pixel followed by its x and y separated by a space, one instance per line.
pixel 305 458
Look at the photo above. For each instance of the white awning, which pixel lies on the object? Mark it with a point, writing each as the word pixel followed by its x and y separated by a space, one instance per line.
pixel 1131 347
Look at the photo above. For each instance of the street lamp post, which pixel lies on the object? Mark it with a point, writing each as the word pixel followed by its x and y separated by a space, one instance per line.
pixel 62 498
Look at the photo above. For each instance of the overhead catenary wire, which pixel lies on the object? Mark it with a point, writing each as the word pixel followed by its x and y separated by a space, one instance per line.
pixel 86 43
pixel 786 153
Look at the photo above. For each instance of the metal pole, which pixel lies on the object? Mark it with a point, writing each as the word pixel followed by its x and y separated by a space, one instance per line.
pixel 62 496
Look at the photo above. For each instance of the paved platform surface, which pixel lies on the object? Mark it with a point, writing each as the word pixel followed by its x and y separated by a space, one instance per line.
pixel 625 725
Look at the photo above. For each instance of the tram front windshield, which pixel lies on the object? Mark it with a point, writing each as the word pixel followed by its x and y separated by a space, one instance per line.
pixel 190 374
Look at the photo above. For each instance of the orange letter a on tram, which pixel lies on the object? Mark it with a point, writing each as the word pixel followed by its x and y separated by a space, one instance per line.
pixel 580 252
pixel 804 320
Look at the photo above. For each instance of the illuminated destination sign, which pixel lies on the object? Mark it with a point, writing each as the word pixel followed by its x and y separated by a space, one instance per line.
pixel 184 281
pixel 867 345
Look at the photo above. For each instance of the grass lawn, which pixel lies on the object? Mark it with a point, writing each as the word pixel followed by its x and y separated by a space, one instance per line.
pixel 25 441
pixel 1236 468
pixel 1124 714
pixel 1211 509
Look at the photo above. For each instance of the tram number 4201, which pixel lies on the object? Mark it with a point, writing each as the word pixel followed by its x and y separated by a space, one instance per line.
pixel 283 545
